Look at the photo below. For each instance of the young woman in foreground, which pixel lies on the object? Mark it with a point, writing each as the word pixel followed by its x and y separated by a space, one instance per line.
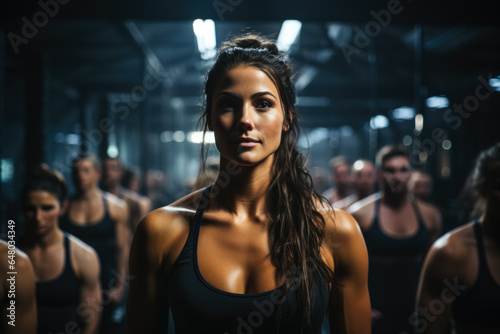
pixel 259 251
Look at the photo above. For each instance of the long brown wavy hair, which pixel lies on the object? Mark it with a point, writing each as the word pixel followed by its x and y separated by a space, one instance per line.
pixel 298 228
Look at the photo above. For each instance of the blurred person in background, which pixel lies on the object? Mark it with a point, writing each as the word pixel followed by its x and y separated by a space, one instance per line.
pixel 319 179
pixel 341 176
pixel 100 219
pixel 18 312
pixel 460 283
pixel 420 185
pixel 208 173
pixel 68 292
pixel 156 183
pixel 398 230
pixel 112 174
pixel 363 180
pixel 132 180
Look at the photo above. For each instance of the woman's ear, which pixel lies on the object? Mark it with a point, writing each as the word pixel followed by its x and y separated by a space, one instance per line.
pixel 64 207
pixel 287 123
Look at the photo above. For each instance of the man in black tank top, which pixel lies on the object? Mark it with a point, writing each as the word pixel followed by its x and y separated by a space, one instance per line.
pixel 68 294
pixel 101 220
pixel 398 230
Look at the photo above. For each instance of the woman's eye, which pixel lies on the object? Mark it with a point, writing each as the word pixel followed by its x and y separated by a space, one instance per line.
pixel 264 104
pixel 226 104
pixel 47 208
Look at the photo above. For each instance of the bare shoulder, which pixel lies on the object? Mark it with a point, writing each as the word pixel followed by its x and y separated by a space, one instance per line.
pixel 166 227
pixel 341 230
pixel 340 224
pixel 451 251
pixel 346 244
pixel 22 261
pixel 84 255
pixel 26 275
pixel 114 201
pixel 168 217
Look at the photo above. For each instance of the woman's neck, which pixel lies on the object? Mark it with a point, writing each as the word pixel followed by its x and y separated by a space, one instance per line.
pixel 44 241
pixel 243 190
pixel 88 193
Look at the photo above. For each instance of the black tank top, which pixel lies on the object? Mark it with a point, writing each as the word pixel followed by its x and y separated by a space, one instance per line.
pixel 57 299
pixel 393 273
pixel 100 236
pixel 199 307
pixel 480 305
pixel 379 244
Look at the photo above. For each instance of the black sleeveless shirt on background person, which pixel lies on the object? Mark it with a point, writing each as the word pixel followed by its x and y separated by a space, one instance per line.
pixel 102 237
pixel 394 271
pixel 57 299
pixel 479 305
pixel 199 307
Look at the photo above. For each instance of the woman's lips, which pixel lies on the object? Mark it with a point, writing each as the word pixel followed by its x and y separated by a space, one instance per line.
pixel 246 142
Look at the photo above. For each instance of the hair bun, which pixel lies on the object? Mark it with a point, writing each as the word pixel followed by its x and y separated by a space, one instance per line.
pixel 253 42
pixel 248 42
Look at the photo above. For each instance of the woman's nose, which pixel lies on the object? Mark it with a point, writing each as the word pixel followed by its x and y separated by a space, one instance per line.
pixel 246 121
pixel 38 214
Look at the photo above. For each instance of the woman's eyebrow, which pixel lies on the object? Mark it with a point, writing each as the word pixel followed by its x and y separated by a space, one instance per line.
pixel 228 93
pixel 253 96
pixel 263 93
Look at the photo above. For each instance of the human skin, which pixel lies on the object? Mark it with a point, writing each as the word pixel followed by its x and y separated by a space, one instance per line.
pixel 44 244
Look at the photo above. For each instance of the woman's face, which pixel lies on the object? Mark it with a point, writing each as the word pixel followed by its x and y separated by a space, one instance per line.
pixel 42 211
pixel 246 116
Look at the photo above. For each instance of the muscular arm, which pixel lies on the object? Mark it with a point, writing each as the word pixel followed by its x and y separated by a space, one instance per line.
pixel 349 299
pixel 439 284
pixel 147 302
pixel 123 241
pixel 90 288
pixel 25 303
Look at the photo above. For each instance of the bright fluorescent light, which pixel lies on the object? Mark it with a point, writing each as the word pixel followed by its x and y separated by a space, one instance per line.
pixel 209 34
pixel 419 122
pixel 179 136
pixel 495 83
pixel 197 136
pixel 112 151
pixel 379 122
pixel 198 27
pixel 307 75
pixel 290 30
pixel 402 113
pixel 437 102
pixel 205 37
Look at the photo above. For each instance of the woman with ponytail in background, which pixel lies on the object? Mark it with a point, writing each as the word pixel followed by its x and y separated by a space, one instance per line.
pixel 259 251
